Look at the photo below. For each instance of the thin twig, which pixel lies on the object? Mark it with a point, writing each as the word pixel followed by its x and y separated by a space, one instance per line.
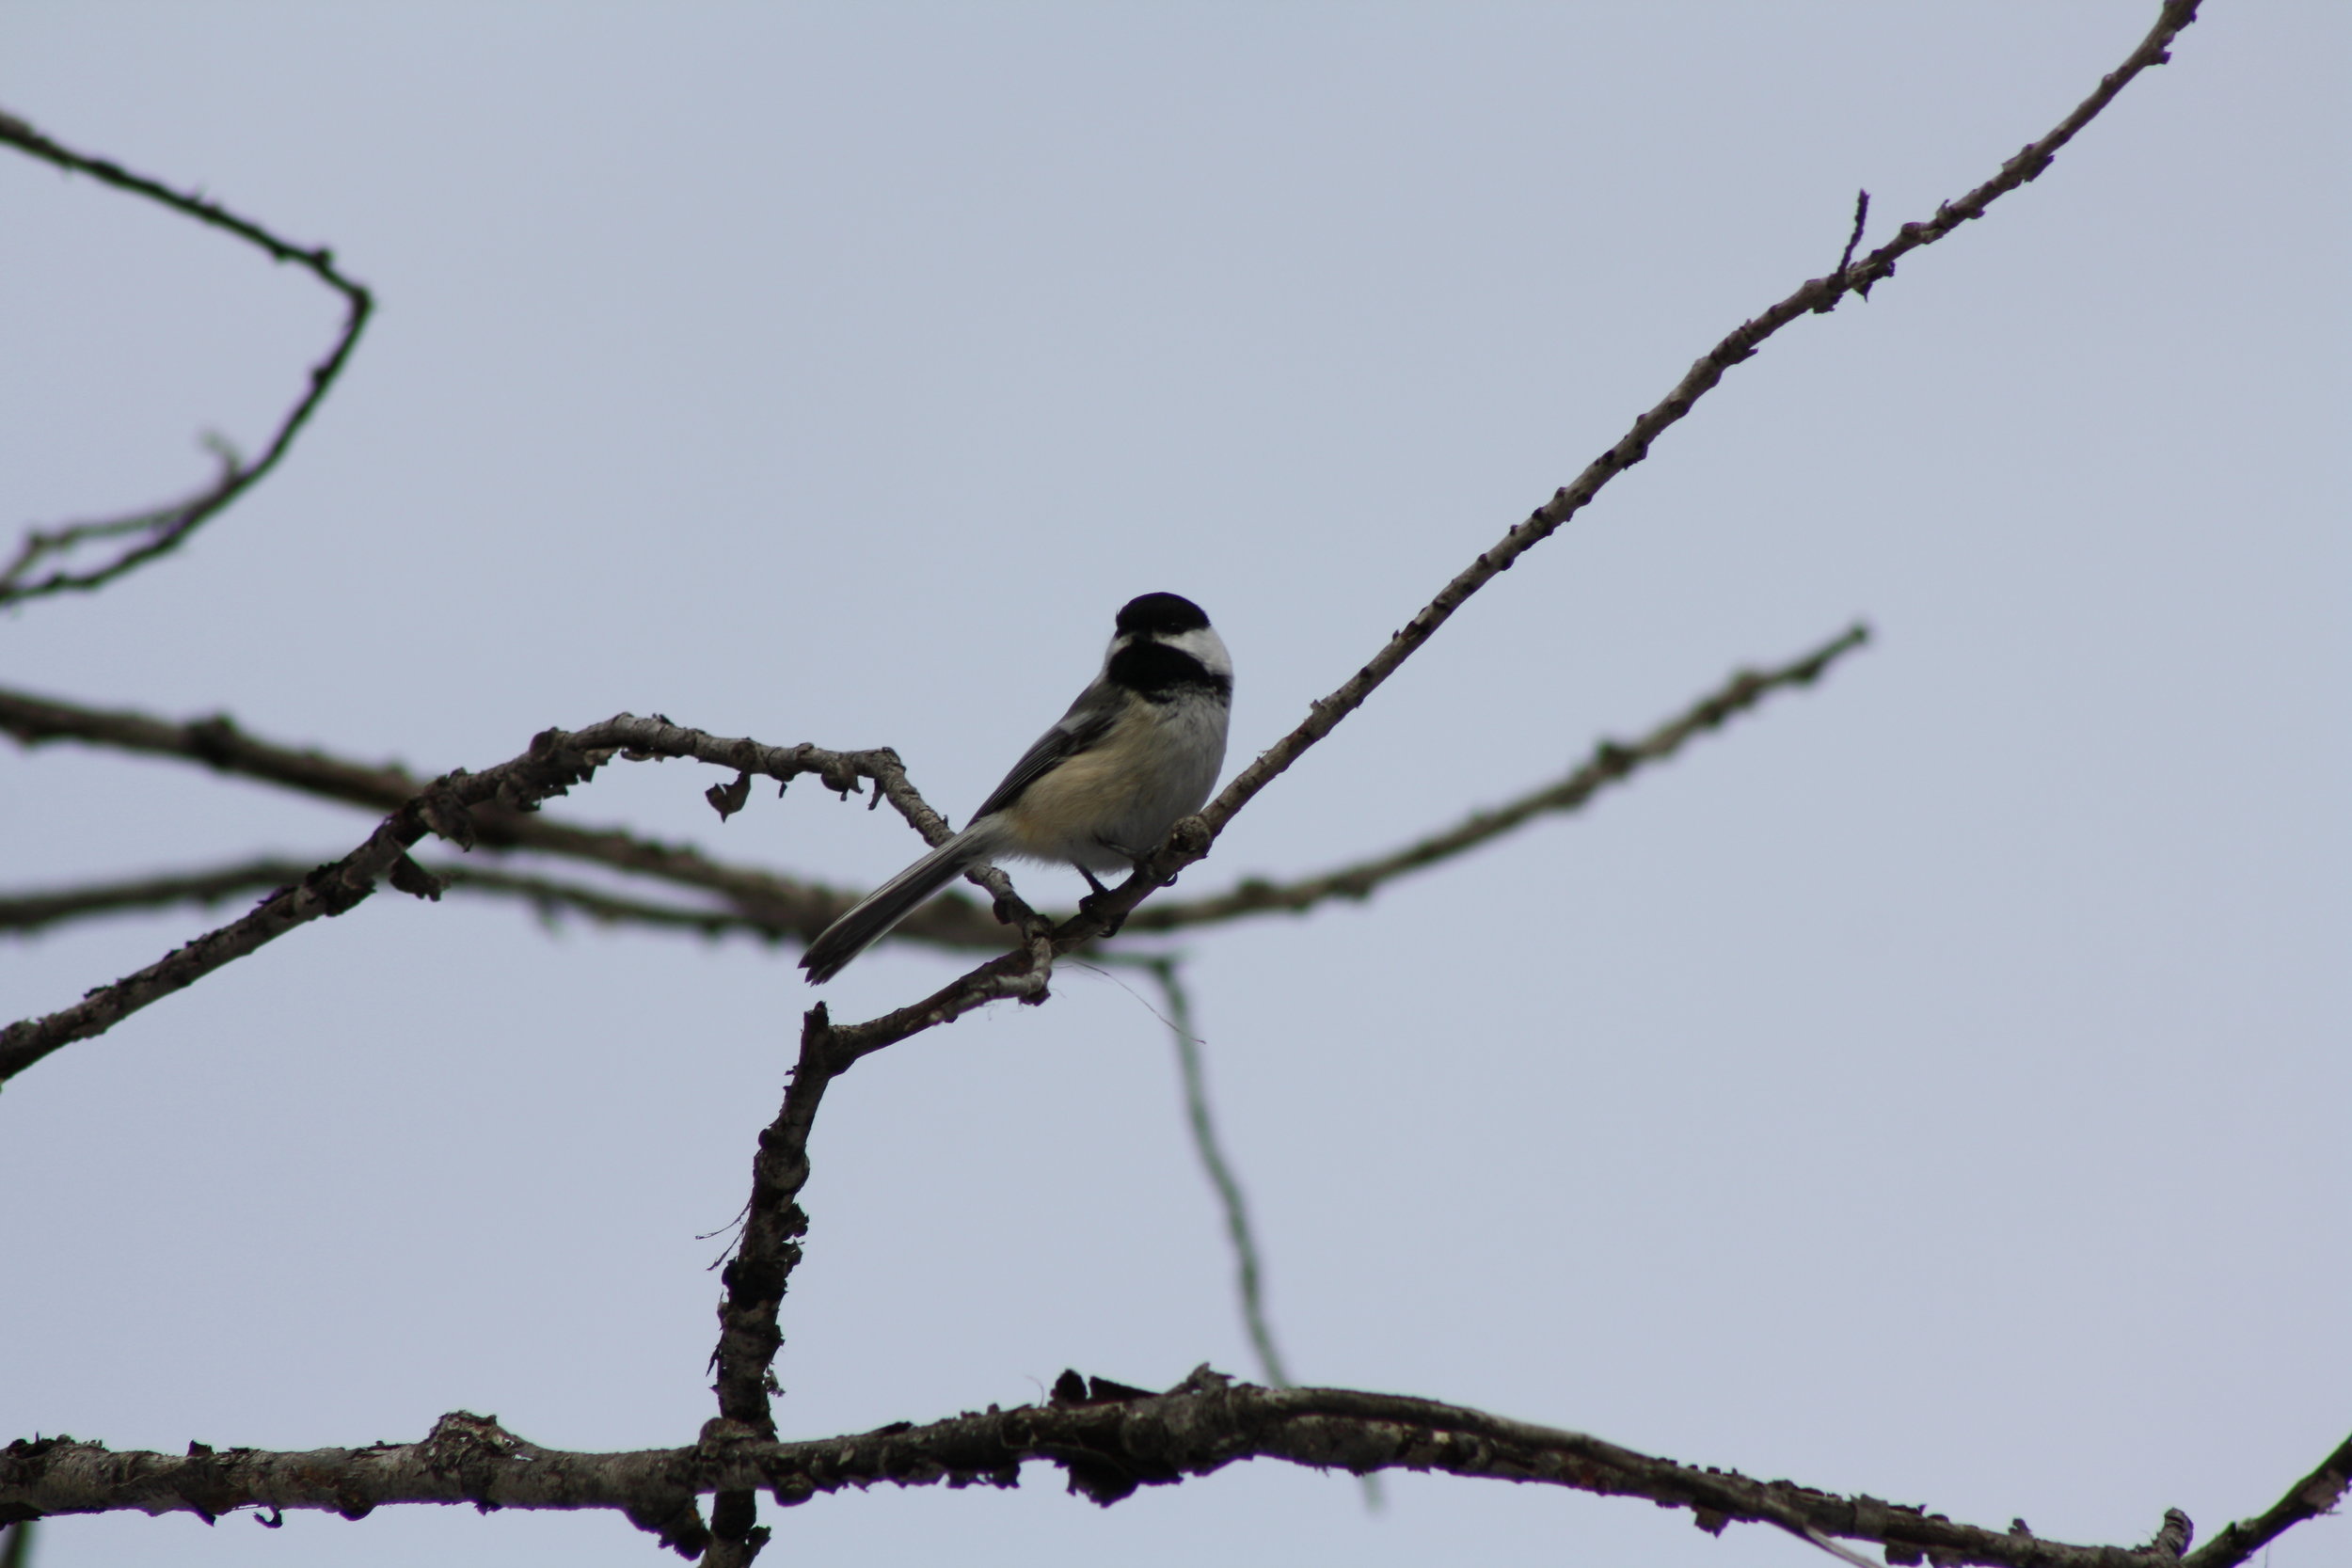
pixel 32 910
pixel 1249 1272
pixel 1740 344
pixel 162 529
pixel 1861 219
pixel 1610 763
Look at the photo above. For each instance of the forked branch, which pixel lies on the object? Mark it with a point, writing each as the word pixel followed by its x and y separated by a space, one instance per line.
pixel 556 761
pixel 141 536
pixel 765 900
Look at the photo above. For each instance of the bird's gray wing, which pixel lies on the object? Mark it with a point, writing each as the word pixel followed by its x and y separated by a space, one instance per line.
pixel 1088 720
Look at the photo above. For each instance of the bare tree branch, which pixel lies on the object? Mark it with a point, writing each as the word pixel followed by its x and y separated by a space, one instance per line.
pixel 1610 763
pixel 34 910
pixel 158 529
pixel 1248 1270
pixel 215 741
pixel 1108 1439
pixel 1816 295
pixel 2315 1495
pixel 751 1304
pixel 555 762
pixel 1200 1121
pixel 764 898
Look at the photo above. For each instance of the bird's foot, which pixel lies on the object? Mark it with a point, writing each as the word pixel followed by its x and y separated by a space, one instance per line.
pixel 1089 904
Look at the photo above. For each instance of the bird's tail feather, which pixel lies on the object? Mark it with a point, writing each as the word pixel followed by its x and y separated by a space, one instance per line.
pixel 875 914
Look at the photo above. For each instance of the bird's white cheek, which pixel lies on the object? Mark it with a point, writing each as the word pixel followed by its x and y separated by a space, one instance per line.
pixel 1204 644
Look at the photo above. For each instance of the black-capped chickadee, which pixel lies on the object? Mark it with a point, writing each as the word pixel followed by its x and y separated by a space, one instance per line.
pixel 1140 747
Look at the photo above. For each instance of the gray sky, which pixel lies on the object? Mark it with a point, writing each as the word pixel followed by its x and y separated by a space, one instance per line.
pixel 1935 1085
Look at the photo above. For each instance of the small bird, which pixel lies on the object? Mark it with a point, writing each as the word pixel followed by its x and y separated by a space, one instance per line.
pixel 1140 747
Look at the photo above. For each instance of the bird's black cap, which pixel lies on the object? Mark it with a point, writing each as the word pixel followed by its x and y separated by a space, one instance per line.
pixel 1161 614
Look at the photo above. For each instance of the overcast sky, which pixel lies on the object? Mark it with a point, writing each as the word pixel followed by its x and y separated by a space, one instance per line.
pixel 1934 1085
